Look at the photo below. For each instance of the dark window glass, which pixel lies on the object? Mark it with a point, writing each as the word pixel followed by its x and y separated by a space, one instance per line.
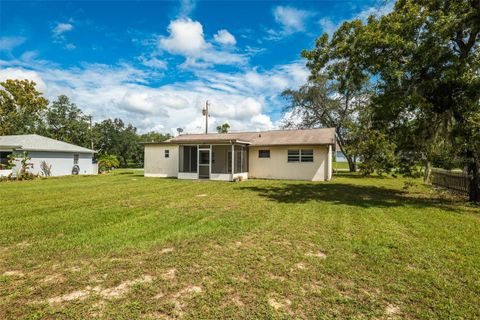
pixel 167 153
pixel 75 159
pixel 264 153
pixel 293 155
pixel 306 155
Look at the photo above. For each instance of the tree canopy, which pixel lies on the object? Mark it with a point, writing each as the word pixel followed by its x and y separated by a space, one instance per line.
pixel 223 128
pixel 21 107
pixel 420 65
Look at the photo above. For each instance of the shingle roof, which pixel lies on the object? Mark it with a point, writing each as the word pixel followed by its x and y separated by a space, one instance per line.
pixel 34 142
pixel 264 138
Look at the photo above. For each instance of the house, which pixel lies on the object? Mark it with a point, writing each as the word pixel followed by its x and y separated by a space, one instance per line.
pixel 64 158
pixel 278 154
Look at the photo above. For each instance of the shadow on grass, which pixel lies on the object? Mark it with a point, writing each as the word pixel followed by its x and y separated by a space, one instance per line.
pixel 349 194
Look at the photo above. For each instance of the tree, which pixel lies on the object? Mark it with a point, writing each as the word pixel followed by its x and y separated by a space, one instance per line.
pixel 423 59
pixel 426 57
pixel 114 137
pixel 66 122
pixel 223 128
pixel 338 90
pixel 317 104
pixel 377 153
pixel 154 136
pixel 21 107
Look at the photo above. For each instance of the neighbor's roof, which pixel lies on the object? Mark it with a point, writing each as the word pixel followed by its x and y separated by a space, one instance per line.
pixel 263 138
pixel 34 142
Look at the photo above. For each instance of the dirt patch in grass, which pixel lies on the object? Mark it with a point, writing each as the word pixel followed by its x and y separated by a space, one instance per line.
pixel 279 304
pixel 75 295
pixel 318 254
pixel 392 310
pixel 107 293
pixel 181 298
pixel 167 250
pixel 124 287
pixel 14 273
pixel 300 266
pixel 54 278
pixel 170 274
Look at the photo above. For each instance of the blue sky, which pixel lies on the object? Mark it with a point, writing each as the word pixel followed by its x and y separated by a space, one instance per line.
pixel 155 63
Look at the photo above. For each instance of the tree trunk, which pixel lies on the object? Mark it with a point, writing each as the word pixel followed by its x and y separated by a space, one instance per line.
pixel 352 166
pixel 428 171
pixel 474 177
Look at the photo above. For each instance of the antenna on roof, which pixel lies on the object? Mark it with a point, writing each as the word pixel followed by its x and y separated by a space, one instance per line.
pixel 205 113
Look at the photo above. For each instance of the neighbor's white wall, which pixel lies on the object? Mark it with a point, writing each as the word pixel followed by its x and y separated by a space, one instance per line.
pixel 278 167
pixel 156 165
pixel 62 162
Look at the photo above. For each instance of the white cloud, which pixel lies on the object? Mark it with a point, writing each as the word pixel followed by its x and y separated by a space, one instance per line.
pixel 328 26
pixel 153 63
pixel 60 29
pixel 381 9
pixel 186 38
pixel 8 43
pixel 70 46
pixel 244 99
pixel 186 8
pixel 224 37
pixel 290 19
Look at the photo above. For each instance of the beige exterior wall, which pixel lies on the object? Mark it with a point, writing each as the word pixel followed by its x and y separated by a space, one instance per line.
pixel 156 165
pixel 278 167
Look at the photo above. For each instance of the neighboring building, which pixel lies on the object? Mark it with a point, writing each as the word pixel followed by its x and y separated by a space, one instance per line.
pixel 280 154
pixel 62 156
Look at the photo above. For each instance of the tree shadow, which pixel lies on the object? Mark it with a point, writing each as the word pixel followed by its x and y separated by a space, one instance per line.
pixel 348 194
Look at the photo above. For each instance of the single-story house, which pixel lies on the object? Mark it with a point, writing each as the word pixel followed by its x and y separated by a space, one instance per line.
pixel 278 154
pixel 64 158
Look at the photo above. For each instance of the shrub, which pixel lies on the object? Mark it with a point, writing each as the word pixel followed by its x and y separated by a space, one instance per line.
pixel 107 162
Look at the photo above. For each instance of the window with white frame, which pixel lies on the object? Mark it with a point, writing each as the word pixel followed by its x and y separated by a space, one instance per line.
pixel 167 153
pixel 304 155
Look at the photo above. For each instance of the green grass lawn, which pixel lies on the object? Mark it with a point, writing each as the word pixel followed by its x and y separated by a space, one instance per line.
pixel 340 165
pixel 124 247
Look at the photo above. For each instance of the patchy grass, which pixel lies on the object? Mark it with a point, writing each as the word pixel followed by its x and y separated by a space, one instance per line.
pixel 123 246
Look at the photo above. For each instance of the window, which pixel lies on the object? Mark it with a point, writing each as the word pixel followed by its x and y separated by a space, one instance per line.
pixel 4 157
pixel 75 159
pixel 167 153
pixel 264 153
pixel 293 155
pixel 300 155
pixel 306 155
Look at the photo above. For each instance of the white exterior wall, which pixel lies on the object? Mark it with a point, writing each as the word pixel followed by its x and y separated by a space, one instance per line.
pixel 278 167
pixel 156 165
pixel 62 162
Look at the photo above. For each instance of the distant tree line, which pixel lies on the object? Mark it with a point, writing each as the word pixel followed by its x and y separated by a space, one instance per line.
pixel 23 110
pixel 402 90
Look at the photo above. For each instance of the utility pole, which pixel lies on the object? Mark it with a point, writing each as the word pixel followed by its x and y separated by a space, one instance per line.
pixel 91 132
pixel 205 113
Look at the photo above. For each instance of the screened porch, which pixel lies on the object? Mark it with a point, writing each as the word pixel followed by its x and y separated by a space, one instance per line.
pixel 213 161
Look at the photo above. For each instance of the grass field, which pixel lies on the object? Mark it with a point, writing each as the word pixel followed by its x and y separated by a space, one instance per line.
pixel 124 247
